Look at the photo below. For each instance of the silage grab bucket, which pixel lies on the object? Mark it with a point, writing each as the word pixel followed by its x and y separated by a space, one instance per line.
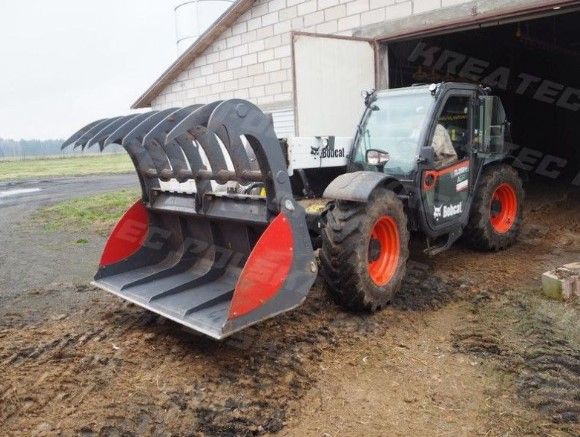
pixel 213 259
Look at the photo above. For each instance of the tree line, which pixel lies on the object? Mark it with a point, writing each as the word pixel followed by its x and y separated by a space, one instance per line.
pixel 22 149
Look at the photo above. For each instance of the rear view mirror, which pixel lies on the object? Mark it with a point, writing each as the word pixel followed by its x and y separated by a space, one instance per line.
pixel 376 157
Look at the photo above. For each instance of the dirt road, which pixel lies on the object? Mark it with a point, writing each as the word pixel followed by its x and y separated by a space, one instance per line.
pixel 470 347
pixel 34 258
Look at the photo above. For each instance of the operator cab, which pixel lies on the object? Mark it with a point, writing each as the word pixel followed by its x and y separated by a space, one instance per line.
pixel 432 140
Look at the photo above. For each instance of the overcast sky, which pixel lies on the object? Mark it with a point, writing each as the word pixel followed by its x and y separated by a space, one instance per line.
pixel 64 63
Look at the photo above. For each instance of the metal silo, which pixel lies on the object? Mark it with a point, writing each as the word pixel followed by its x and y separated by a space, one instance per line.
pixel 193 17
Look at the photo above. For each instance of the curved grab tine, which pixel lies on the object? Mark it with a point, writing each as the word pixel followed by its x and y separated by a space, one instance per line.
pixel 235 147
pixel 80 133
pixel 100 136
pixel 133 142
pixel 87 143
pixel 190 124
pixel 117 136
pixel 191 152
pixel 88 134
pixel 168 158
pixel 195 126
pixel 241 117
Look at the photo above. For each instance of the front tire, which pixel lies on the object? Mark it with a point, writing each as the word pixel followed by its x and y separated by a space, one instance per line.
pixel 497 210
pixel 364 252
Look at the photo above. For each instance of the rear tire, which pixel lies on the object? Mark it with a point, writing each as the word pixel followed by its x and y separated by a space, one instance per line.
pixel 497 210
pixel 364 252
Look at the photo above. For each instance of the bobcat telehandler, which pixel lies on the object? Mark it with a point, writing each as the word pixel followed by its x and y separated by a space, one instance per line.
pixel 225 232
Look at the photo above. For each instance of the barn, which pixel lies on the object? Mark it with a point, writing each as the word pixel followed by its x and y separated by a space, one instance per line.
pixel 306 63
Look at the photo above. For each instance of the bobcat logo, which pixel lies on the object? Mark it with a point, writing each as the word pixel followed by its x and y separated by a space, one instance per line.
pixel 437 212
pixel 326 149
pixel 446 211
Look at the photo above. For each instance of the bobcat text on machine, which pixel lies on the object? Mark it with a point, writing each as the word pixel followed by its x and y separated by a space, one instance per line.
pixel 225 232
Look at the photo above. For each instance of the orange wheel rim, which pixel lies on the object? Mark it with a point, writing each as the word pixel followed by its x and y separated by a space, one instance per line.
pixel 504 208
pixel 384 250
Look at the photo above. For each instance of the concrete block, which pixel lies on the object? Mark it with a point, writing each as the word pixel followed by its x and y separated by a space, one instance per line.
pixel 226 54
pixel 234 63
pixel 349 23
pixel 375 4
pixel 282 51
pixel 328 27
pixel 260 9
pixel 357 7
pixel 270 19
pixel 254 23
pixel 256 46
pixel 273 41
pixel 372 17
pixel 323 4
pixel 233 41
pixel 276 5
pixel 252 58
pixel 250 36
pixel 314 18
pixel 287 14
pixel 238 28
pixel 241 50
pixel 399 10
pixel 282 27
pixel 335 12
pixel 562 283
pixel 307 7
pixel 272 65
pixel 265 55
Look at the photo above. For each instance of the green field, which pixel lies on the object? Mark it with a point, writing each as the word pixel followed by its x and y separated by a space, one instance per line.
pixel 69 166
pixel 97 213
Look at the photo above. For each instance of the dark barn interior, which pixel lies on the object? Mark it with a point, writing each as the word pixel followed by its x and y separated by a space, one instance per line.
pixel 534 66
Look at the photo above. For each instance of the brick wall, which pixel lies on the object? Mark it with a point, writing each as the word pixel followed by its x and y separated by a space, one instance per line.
pixel 251 59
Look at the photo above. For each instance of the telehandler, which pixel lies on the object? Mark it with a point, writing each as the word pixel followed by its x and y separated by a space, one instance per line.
pixel 224 234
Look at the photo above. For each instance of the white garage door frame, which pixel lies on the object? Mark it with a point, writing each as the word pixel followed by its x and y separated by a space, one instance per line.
pixel 296 86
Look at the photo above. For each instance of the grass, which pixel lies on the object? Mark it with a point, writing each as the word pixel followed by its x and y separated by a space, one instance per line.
pixel 69 166
pixel 97 213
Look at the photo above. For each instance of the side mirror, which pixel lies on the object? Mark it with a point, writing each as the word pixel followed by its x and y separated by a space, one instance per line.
pixel 426 155
pixel 377 157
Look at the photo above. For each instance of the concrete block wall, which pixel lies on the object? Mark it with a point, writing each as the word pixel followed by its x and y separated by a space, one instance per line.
pixel 252 59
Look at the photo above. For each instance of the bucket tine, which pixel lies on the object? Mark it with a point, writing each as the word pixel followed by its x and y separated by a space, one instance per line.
pixel 80 133
pixel 133 143
pixel 116 137
pixel 82 140
pixel 102 135
pixel 235 147
pixel 195 127
pixel 167 157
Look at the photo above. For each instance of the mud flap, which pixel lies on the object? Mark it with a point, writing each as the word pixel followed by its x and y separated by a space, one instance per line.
pixel 211 260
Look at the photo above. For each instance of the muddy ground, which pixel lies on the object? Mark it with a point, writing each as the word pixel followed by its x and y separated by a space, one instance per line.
pixel 470 347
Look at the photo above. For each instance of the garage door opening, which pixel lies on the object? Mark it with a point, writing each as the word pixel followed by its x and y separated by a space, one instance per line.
pixel 534 66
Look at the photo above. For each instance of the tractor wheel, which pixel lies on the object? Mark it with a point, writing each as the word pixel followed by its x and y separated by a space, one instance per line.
pixel 497 209
pixel 364 252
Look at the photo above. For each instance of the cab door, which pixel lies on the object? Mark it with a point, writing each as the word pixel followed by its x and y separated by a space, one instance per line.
pixel 445 186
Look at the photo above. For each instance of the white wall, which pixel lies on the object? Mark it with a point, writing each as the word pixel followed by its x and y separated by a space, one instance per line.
pixel 252 58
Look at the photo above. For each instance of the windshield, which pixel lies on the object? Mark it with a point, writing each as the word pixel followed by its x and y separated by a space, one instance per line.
pixel 395 125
